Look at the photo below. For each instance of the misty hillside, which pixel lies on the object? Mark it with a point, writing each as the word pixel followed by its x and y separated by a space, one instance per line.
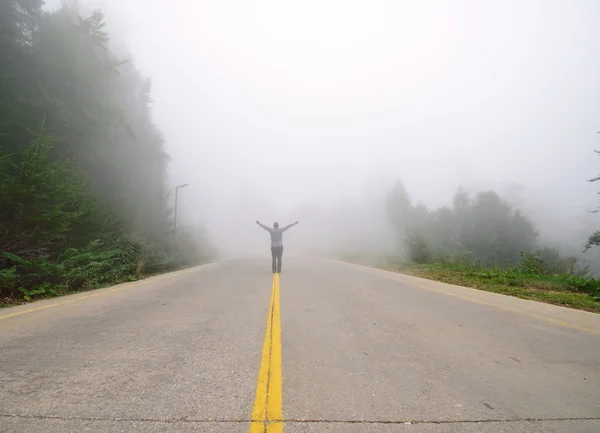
pixel 84 191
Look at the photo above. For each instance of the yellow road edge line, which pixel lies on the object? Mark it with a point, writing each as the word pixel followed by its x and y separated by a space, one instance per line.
pixel 502 307
pixel 102 293
pixel 267 405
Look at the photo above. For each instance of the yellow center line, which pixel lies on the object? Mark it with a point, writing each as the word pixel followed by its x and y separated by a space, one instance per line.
pixel 267 416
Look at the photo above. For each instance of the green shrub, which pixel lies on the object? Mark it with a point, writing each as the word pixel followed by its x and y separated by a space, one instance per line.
pixel 531 263
pixel 580 284
pixel 418 250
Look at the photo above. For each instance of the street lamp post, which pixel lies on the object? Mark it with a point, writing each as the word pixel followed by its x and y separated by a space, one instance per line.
pixel 175 224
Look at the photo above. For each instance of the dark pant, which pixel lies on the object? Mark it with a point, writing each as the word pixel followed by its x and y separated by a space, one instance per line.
pixel 276 253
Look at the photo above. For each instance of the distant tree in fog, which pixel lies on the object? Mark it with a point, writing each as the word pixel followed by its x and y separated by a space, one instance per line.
pixel 594 238
pixel 485 227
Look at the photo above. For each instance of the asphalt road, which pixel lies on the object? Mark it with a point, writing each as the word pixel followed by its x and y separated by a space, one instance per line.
pixel 362 351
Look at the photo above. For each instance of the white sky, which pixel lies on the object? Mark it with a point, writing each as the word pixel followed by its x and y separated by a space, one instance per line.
pixel 267 105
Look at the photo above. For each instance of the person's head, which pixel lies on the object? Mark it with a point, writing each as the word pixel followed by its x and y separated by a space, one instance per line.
pixel 276 225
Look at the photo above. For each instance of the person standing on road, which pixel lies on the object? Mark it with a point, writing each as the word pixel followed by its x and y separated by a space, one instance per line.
pixel 276 243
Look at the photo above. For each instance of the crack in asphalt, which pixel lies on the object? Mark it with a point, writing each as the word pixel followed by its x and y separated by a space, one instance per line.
pixel 298 421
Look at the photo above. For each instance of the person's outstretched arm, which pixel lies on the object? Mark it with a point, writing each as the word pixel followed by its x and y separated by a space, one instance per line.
pixel 290 226
pixel 263 226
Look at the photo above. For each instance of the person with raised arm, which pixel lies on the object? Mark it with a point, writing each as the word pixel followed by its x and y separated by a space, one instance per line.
pixel 276 243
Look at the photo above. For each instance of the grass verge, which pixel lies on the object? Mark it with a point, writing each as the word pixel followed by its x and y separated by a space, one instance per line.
pixel 7 302
pixel 563 290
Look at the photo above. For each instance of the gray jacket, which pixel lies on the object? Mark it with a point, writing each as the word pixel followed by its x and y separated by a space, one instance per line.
pixel 276 234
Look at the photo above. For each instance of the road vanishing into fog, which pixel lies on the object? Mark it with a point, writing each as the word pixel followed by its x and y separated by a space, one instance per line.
pixel 324 347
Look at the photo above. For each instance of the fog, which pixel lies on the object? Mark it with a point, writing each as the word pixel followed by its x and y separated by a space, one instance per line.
pixel 310 111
